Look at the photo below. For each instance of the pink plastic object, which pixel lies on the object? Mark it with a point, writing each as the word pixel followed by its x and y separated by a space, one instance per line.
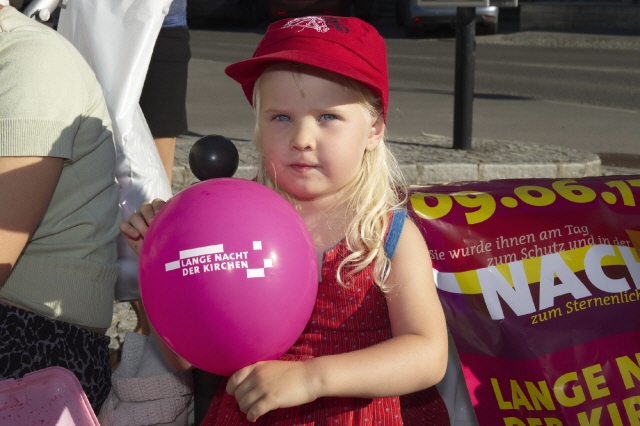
pixel 228 274
pixel 48 397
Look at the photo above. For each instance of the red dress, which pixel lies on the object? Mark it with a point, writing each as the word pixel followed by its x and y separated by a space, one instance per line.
pixel 344 319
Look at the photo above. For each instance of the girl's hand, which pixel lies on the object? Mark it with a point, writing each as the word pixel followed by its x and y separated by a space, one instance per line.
pixel 265 386
pixel 136 228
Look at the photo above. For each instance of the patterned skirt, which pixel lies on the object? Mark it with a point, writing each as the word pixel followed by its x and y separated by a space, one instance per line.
pixel 30 342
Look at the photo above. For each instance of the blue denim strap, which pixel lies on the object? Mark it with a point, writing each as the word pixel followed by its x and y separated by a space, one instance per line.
pixel 395 229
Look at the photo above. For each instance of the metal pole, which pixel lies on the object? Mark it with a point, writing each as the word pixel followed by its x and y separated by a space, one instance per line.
pixel 464 76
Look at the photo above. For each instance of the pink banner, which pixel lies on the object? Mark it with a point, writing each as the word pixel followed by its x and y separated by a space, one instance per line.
pixel 539 280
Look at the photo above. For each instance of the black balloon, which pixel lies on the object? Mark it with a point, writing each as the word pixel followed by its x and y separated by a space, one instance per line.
pixel 213 156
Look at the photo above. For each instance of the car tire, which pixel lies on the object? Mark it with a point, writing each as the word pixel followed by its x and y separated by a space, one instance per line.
pixel 367 10
pixel 411 31
pixel 401 12
pixel 353 9
pixel 374 9
pixel 490 29
pixel 252 15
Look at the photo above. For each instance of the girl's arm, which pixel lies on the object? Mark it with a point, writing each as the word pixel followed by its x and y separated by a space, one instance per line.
pixel 134 232
pixel 136 228
pixel 414 359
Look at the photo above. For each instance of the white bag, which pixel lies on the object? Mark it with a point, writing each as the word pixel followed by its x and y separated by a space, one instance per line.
pixel 116 37
pixel 145 391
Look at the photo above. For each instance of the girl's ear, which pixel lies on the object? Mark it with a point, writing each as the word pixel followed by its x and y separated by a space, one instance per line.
pixel 376 134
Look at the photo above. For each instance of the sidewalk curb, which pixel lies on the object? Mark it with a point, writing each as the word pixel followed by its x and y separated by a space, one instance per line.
pixel 431 159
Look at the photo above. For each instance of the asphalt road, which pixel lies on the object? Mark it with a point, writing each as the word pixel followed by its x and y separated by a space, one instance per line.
pixel 569 90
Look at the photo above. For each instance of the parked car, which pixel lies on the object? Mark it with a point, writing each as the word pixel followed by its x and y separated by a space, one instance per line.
pixel 246 12
pixel 365 9
pixel 417 15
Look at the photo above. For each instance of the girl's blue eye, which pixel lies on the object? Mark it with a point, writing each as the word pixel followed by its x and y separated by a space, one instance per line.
pixel 327 117
pixel 282 118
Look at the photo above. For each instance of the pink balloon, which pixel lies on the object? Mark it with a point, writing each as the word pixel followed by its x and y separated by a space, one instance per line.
pixel 228 274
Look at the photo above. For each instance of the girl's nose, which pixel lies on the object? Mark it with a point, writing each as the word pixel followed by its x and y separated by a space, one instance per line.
pixel 302 139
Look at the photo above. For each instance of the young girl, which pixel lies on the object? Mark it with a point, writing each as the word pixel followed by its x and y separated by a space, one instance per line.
pixel 376 343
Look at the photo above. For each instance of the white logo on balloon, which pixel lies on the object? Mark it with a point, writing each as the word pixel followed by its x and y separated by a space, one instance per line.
pixel 213 258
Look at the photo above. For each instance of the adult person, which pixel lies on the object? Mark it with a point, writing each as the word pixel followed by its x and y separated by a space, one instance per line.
pixel 164 97
pixel 59 209
pixel 164 94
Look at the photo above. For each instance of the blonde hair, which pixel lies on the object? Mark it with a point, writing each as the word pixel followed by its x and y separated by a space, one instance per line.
pixel 377 189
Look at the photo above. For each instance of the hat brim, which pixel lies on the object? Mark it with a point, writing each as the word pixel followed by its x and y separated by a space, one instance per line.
pixel 247 72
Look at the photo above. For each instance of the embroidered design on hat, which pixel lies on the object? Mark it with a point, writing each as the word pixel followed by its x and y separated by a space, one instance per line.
pixel 321 25
pixel 311 22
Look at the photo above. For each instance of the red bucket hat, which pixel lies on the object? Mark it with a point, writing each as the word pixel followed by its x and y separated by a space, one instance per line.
pixel 342 45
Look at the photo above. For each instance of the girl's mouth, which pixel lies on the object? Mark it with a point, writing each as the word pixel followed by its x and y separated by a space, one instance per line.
pixel 302 167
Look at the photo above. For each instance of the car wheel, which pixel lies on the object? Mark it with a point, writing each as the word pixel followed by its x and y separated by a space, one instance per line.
pixel 367 9
pixel 353 9
pixel 490 29
pixel 412 31
pixel 401 12
pixel 375 9
pixel 251 14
